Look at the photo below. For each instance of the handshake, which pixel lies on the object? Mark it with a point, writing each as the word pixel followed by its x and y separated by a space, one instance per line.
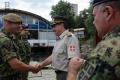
pixel 36 67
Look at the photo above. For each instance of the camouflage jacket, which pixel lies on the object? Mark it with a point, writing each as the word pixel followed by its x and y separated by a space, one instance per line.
pixel 8 50
pixel 24 52
pixel 104 61
pixel 24 49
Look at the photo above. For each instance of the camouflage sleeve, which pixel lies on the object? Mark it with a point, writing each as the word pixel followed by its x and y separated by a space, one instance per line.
pixel 73 47
pixel 7 50
pixel 27 44
pixel 107 51
pixel 105 60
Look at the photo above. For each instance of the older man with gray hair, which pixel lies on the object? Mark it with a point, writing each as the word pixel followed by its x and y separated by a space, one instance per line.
pixel 104 61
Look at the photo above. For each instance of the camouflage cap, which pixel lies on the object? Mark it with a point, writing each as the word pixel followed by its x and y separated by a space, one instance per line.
pixel 12 18
pixel 97 2
pixel 58 19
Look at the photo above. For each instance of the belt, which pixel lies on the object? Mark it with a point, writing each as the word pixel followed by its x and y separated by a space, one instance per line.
pixel 59 71
pixel 61 75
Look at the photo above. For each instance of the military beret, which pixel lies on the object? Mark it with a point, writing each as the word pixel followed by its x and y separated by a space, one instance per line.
pixel 12 18
pixel 97 2
pixel 58 19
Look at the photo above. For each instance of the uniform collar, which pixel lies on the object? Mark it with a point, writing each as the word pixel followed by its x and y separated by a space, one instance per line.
pixel 9 34
pixel 63 34
pixel 114 32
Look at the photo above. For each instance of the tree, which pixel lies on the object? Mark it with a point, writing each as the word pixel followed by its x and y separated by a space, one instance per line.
pixel 89 24
pixel 80 20
pixel 64 9
pixel 85 20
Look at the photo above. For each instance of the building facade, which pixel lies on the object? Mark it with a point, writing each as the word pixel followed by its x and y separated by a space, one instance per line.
pixel 39 28
pixel 75 8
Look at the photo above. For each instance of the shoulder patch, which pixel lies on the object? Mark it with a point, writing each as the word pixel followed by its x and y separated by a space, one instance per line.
pixel 69 34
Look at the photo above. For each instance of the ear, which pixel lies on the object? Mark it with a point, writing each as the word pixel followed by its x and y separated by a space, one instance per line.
pixel 109 12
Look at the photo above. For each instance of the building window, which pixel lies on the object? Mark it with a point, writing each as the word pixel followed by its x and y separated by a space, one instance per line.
pixel 29 20
pixel 24 19
pixel 33 34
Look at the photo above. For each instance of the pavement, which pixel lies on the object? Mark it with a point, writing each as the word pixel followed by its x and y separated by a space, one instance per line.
pixel 45 74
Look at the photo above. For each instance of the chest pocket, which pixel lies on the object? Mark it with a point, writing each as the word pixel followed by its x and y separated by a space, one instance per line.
pixel 63 48
pixel 60 49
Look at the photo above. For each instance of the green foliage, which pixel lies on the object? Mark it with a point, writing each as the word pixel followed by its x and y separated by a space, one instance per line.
pixel 89 24
pixel 80 20
pixel 64 9
pixel 83 20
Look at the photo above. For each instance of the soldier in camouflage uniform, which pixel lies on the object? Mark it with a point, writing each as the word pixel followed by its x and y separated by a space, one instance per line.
pixel 104 61
pixel 25 47
pixel 11 65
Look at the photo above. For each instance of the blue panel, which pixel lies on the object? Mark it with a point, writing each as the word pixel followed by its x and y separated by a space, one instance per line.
pixel 41 26
pixel 32 26
pixel 1 25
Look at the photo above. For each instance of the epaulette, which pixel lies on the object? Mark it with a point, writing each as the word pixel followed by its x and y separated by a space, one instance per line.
pixel 69 34
pixel 2 34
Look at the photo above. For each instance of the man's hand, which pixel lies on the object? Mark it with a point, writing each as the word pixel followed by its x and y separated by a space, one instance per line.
pixel 40 66
pixel 35 69
pixel 74 65
pixel 22 67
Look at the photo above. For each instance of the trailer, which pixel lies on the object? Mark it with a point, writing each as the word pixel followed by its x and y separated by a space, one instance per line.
pixel 41 41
